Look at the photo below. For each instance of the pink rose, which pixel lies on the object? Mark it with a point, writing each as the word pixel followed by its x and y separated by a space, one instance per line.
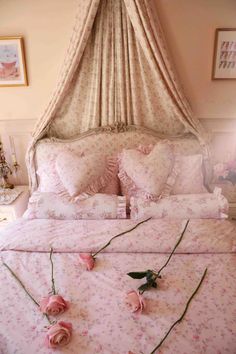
pixel 59 335
pixel 88 260
pixel 219 169
pixel 231 165
pixel 53 305
pixel 135 301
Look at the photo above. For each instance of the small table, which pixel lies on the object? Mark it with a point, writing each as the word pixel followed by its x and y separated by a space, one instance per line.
pixel 10 212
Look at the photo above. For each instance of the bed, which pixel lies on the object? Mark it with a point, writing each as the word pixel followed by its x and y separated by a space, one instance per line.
pixel 101 321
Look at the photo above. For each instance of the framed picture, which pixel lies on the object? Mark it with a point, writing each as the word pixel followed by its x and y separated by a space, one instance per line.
pixel 12 62
pixel 224 63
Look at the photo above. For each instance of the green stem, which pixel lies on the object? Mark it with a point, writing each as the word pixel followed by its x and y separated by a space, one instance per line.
pixel 20 282
pixel 52 275
pixel 177 244
pixel 23 286
pixel 121 234
pixel 183 314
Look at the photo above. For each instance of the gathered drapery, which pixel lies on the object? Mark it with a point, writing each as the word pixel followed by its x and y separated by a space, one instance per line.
pixel 116 70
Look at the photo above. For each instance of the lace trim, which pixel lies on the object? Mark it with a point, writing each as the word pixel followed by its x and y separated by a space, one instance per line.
pixel 121 207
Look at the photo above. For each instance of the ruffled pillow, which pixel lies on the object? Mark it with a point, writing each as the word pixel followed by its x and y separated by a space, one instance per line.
pixel 188 206
pixel 146 174
pixel 54 206
pixel 85 175
pixel 189 175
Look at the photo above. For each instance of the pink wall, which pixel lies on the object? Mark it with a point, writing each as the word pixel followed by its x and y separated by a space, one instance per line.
pixel 189 27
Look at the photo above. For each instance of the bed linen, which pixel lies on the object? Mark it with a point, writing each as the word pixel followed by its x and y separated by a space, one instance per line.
pixel 101 321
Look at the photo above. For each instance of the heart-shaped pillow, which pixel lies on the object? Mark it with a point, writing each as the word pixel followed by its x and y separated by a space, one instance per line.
pixel 149 172
pixel 87 174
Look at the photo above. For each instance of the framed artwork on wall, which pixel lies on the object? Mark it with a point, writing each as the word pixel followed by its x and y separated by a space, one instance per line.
pixel 224 61
pixel 12 62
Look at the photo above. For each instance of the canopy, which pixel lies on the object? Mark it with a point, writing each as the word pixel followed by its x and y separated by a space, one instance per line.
pixel 116 70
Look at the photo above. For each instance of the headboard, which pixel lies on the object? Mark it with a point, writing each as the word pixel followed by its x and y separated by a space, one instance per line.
pixel 112 140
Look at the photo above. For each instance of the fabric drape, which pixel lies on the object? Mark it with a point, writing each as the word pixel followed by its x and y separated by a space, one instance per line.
pixel 116 70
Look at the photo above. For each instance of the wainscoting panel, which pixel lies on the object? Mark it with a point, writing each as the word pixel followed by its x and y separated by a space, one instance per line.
pixel 16 134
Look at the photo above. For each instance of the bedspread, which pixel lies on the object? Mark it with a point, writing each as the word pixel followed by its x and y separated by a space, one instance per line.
pixel 101 321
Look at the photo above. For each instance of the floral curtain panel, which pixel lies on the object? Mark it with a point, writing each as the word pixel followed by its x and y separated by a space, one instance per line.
pixel 116 70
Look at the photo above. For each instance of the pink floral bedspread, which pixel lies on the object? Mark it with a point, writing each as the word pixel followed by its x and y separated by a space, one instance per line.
pixel 100 318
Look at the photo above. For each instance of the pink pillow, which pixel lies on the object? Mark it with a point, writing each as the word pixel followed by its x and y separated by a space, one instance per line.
pixel 87 174
pixel 186 206
pixel 53 206
pixel 189 179
pixel 146 174
pixel 50 180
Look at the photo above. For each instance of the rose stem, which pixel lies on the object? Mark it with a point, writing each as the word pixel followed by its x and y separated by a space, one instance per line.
pixel 20 282
pixel 23 286
pixel 177 244
pixel 52 276
pixel 183 314
pixel 122 233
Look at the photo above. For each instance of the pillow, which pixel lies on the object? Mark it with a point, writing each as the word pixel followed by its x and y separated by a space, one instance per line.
pixel 53 206
pixel 76 174
pixel 189 178
pixel 188 206
pixel 143 174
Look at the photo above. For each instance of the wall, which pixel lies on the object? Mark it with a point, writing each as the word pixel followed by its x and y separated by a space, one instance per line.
pixel 46 26
pixel 189 27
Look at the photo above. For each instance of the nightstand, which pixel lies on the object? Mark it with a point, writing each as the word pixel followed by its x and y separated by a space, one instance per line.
pixel 10 212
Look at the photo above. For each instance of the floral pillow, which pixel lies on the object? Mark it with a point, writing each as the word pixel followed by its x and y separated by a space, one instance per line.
pixel 185 206
pixel 79 174
pixel 189 177
pixel 145 174
pixel 54 206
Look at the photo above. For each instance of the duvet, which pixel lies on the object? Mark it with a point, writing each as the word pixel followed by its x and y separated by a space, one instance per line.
pixel 101 320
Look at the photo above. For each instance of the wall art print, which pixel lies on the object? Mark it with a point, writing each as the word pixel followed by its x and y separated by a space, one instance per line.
pixel 224 63
pixel 12 62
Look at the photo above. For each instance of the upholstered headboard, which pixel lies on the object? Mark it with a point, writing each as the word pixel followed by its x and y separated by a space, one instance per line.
pixel 112 141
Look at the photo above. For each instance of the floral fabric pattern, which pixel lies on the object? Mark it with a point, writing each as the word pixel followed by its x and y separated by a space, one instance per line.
pixel 189 179
pixel 146 173
pixel 98 312
pixel 53 206
pixel 85 174
pixel 189 206
pixel 63 171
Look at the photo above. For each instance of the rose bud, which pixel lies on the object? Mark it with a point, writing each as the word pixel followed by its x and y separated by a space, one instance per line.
pixel 135 301
pixel 88 260
pixel 59 335
pixel 53 305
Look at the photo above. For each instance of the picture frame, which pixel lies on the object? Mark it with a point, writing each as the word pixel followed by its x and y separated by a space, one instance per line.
pixel 12 62
pixel 224 59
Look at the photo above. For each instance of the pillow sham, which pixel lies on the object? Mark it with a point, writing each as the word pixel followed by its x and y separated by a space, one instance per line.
pixel 186 206
pixel 75 174
pixel 189 177
pixel 53 206
pixel 143 174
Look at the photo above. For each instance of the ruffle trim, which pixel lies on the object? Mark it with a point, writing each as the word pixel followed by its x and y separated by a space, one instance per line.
pixel 223 203
pixel 171 179
pixel 102 181
pixel 121 207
